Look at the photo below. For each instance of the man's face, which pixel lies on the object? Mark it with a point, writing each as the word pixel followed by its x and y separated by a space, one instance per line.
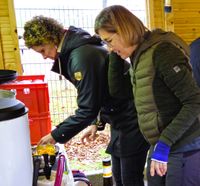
pixel 46 50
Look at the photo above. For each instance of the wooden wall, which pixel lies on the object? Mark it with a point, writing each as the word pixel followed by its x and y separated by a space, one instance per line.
pixel 187 18
pixel 183 20
pixel 9 46
pixel 155 14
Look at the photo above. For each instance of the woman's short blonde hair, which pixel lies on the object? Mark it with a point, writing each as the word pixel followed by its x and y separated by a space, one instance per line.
pixel 42 30
pixel 118 19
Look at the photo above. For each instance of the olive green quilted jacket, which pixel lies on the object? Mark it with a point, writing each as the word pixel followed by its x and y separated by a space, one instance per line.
pixel 166 96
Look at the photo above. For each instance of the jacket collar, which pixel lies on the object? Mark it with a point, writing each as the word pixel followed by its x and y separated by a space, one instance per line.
pixel 72 39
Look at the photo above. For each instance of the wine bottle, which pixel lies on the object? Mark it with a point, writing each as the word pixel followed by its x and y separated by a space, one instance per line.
pixel 107 172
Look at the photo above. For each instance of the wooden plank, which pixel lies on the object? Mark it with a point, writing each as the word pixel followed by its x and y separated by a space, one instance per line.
pixel 5 31
pixel 193 14
pixel 186 11
pixel 157 3
pixel 196 31
pixel 186 6
pixel 6 38
pixel 3 13
pixel 10 65
pixel 186 21
pixel 9 55
pixel 1 54
pixel 187 27
pixel 5 25
pixel 185 1
pixel 2 2
pixel 4 20
pixel 169 22
pixel 150 14
pixel 10 60
pixel 6 43
pixel 3 6
pixel 157 13
pixel 9 48
pixel 187 35
pixel 14 35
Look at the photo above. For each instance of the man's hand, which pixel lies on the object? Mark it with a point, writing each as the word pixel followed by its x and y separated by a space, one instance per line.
pixel 46 139
pixel 89 134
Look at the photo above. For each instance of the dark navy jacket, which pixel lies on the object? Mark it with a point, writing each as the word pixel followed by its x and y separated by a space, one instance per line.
pixel 195 59
pixel 83 63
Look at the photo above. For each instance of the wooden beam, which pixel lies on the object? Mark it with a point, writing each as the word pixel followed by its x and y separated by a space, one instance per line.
pixel 1 54
pixel 14 36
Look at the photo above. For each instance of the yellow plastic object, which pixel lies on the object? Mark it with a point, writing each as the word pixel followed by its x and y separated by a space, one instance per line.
pixel 45 149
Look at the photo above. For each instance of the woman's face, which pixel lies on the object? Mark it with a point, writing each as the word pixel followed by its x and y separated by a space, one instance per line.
pixel 46 50
pixel 116 44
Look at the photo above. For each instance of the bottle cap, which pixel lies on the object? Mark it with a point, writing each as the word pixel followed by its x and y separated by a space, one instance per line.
pixel 107 159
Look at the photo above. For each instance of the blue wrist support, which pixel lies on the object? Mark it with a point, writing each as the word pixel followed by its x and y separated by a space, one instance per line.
pixel 161 152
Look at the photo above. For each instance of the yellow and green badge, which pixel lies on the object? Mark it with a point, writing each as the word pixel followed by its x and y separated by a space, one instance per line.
pixel 78 76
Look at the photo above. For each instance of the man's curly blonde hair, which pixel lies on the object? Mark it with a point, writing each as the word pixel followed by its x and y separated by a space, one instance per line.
pixel 42 30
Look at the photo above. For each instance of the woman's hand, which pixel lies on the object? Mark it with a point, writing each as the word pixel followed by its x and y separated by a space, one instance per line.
pixel 158 168
pixel 90 134
pixel 46 139
pixel 159 159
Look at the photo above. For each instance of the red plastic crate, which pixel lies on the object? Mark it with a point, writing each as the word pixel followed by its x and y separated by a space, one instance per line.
pixel 32 91
pixel 39 126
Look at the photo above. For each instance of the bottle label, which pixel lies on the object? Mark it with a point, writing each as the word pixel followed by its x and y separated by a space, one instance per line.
pixel 107 173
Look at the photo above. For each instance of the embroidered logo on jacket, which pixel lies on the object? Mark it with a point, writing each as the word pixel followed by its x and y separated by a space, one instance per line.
pixel 177 69
pixel 78 76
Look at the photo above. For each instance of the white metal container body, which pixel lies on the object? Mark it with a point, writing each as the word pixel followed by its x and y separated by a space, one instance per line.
pixel 16 167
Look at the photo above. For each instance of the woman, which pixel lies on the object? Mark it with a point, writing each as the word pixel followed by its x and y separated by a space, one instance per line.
pixel 166 96
pixel 81 59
